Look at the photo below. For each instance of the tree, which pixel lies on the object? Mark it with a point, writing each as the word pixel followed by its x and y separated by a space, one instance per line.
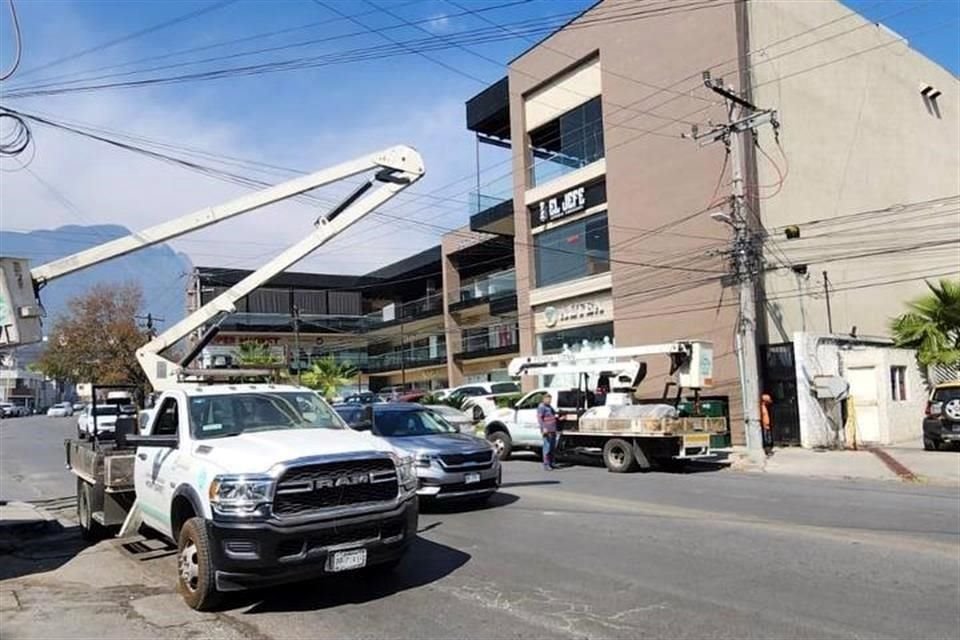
pixel 326 375
pixel 97 341
pixel 932 326
pixel 253 353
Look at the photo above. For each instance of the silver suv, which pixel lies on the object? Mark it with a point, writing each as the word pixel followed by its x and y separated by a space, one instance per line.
pixel 450 465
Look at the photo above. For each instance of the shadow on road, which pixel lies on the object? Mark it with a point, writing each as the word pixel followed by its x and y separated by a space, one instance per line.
pixel 499 499
pixel 37 548
pixel 426 562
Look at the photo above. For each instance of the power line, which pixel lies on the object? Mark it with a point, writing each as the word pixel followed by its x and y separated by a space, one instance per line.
pixel 142 32
pixel 19 50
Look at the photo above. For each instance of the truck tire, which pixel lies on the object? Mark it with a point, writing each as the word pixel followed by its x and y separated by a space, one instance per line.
pixel 90 529
pixel 618 456
pixel 502 443
pixel 195 571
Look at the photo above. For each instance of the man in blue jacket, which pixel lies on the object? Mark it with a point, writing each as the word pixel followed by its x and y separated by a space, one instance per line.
pixel 547 419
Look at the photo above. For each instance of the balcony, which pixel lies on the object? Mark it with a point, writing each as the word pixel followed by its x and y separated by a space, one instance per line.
pixel 549 166
pixel 488 112
pixel 425 307
pixel 495 341
pixel 407 359
pixel 485 289
pixel 283 323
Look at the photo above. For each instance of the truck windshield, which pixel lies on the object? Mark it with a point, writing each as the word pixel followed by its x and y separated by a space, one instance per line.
pixel 401 424
pixel 236 413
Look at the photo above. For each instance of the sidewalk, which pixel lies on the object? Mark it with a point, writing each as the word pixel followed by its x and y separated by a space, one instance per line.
pixel 19 520
pixel 928 467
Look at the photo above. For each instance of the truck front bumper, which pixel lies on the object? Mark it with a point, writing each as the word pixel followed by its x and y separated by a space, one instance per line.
pixel 249 555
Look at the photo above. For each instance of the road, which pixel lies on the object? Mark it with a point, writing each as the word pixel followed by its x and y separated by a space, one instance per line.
pixel 574 553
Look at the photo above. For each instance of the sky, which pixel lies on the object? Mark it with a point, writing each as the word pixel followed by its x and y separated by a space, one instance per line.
pixel 324 111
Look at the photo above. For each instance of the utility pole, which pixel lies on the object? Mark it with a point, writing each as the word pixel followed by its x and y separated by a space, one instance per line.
pixel 296 339
pixel 742 117
pixel 826 294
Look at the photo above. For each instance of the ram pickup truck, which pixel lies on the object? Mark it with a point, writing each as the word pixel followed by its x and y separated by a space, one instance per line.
pixel 257 484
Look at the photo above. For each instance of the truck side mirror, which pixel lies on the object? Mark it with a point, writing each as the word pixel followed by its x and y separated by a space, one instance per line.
pixel 126 426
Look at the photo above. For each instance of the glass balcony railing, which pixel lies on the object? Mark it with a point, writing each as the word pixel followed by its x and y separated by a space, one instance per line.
pixel 549 166
pixel 424 307
pixel 490 287
pixel 408 358
pixel 490 195
pixel 499 339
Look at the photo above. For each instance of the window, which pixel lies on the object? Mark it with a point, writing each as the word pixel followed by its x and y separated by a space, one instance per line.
pixel 574 250
pixel 505 387
pixel 168 419
pixel 898 384
pixel 594 334
pixel 569 142
pixel 532 401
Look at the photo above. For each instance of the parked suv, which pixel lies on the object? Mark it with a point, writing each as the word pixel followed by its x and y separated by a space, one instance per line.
pixel 941 425
pixel 449 464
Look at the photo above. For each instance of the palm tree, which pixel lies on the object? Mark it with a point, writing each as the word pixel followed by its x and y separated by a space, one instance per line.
pixel 932 326
pixel 254 353
pixel 326 375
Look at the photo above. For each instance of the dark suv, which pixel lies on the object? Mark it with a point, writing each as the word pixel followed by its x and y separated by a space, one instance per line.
pixel 941 425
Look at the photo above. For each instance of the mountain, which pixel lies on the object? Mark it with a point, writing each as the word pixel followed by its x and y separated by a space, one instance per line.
pixel 161 272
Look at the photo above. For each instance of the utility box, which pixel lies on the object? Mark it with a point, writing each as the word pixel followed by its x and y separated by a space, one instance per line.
pixel 19 311
pixel 697 372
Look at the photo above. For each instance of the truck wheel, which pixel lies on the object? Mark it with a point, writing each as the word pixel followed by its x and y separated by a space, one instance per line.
pixel 618 456
pixel 502 444
pixel 195 571
pixel 90 529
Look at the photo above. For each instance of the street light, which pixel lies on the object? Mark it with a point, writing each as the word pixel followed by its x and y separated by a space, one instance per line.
pixel 720 216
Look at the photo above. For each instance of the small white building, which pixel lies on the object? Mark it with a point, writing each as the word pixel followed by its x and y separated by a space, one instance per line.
pixel 886 387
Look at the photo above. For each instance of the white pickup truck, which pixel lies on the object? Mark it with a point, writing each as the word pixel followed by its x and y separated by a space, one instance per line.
pixel 257 484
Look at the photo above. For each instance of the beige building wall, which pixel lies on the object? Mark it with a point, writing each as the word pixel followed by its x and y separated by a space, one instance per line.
pixel 664 284
pixel 858 136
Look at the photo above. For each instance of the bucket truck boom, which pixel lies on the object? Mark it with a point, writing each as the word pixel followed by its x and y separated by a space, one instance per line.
pixel 393 170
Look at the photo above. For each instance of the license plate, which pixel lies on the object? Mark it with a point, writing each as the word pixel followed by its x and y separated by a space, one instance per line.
pixel 697 440
pixel 347 560
pixel 470 478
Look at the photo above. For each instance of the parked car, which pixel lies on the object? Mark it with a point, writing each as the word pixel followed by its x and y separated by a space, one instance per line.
pixel 10 410
pixel 104 420
pixel 450 465
pixel 941 425
pixel 482 396
pixel 460 419
pixel 365 397
pixel 78 407
pixel 60 410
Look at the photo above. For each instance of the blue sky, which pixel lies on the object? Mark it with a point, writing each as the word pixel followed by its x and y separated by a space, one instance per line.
pixel 306 118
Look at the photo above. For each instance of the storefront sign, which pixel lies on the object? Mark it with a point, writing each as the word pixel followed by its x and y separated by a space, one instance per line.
pixel 567 203
pixel 562 205
pixel 573 312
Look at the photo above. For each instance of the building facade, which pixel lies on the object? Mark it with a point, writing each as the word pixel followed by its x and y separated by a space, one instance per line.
pixel 610 206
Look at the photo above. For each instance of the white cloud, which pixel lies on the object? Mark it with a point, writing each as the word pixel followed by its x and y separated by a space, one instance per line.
pixel 439 23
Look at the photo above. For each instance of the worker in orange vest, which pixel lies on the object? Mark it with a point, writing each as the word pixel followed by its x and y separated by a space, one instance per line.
pixel 765 423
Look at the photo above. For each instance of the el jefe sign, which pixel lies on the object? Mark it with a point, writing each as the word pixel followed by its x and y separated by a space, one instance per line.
pixel 562 205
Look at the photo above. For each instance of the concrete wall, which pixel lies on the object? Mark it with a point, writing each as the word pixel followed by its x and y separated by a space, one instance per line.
pixel 651 91
pixel 900 421
pixel 821 423
pixel 857 136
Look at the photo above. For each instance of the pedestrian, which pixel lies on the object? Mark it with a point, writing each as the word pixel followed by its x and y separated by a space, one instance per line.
pixel 766 425
pixel 547 419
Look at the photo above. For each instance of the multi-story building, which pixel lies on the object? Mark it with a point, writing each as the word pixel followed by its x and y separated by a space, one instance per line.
pixel 608 206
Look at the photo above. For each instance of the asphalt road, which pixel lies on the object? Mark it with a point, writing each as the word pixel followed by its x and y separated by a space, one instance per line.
pixel 574 553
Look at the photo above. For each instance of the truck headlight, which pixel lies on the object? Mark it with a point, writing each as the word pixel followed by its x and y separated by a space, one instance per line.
pixel 406 474
pixel 241 495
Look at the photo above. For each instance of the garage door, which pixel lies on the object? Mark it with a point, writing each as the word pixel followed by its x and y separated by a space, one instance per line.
pixel 863 390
